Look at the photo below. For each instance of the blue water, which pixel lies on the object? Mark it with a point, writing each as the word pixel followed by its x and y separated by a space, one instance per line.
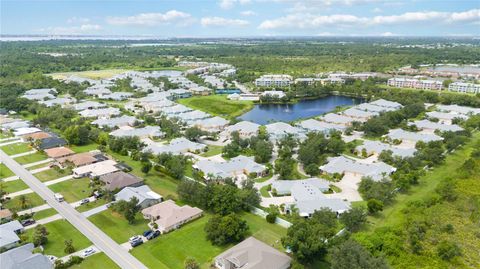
pixel 267 113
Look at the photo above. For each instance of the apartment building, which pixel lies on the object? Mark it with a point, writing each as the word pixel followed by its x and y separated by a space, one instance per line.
pixel 415 83
pixel 273 81
pixel 464 87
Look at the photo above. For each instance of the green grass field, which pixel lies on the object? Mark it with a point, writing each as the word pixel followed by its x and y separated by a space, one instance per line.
pixel 17 148
pixel 52 174
pixel 31 168
pixel 73 190
pixel 84 148
pixel 5 172
pixel 97 261
pixel 44 214
pixel 31 158
pixel 59 231
pixel 117 227
pixel 13 186
pixel 218 105
pixel 32 200
pixel 212 151
pixel 264 191
pixel 5 134
pixel 94 74
pixel 190 241
pixel 91 205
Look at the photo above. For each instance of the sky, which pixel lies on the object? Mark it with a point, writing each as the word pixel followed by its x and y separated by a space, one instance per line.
pixel 241 18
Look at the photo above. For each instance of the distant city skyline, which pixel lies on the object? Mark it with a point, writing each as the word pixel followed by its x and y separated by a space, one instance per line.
pixel 241 18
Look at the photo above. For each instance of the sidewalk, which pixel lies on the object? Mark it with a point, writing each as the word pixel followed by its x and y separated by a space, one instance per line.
pixel 37 163
pixel 23 154
pixel 34 209
pixel 58 180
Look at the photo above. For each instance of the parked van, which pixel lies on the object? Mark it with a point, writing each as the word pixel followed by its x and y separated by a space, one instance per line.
pixel 59 197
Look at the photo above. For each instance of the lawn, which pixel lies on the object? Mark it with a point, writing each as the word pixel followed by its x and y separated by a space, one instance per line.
pixel 94 74
pixel 84 148
pixel 263 179
pixel 117 227
pixel 264 191
pixel 97 261
pixel 59 231
pixel 13 186
pixel 5 172
pixel 73 190
pixel 218 105
pixel 5 134
pixel 44 214
pixel 190 241
pixel 212 151
pixel 17 148
pixel 52 174
pixel 91 205
pixel 32 200
pixel 31 158
pixel 31 168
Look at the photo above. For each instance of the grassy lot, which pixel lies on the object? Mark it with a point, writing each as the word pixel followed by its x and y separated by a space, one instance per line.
pixel 32 200
pixel 263 179
pixel 84 148
pixel 212 151
pixel 38 166
pixel 73 190
pixel 91 205
pixel 5 172
pixel 31 158
pixel 94 74
pixel 44 214
pixel 97 261
pixel 59 231
pixel 17 148
pixel 13 186
pixel 264 191
pixel 190 241
pixel 117 227
pixel 52 174
pixel 5 134
pixel 218 105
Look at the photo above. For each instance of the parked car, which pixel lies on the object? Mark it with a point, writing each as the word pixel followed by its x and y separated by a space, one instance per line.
pixel 134 238
pixel 97 194
pixel 84 201
pixel 153 235
pixel 137 242
pixel 27 222
pixel 88 252
pixel 147 232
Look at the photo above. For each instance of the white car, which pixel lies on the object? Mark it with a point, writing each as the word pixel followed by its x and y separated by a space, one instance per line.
pixel 88 252
pixel 134 238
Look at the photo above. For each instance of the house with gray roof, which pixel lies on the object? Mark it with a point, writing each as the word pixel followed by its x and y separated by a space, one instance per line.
pixel 9 234
pixel 192 116
pixel 119 180
pixel 377 147
pixel 97 90
pixel 359 115
pixel 342 165
pixel 177 146
pixel 175 110
pixel 465 110
pixel 252 254
pixel 146 197
pixel 289 187
pixel 115 122
pixel 88 105
pixel 214 124
pixel 245 129
pixel 279 130
pixel 444 117
pixel 373 108
pixel 41 91
pixel 23 258
pixel 312 125
pixel 237 168
pixel 145 132
pixel 402 135
pixel 386 104
pixel 38 97
pixel 116 96
pixel 58 101
pixel 338 119
pixel 15 125
pixel 434 126
pixel 306 208
pixel 100 113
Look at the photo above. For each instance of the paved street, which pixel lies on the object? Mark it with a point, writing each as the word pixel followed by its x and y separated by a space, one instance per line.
pixel 103 242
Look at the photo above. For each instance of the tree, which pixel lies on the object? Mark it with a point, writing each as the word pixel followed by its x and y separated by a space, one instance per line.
pixel 448 250
pixel 69 248
pixel 191 263
pixel 374 206
pixel 354 218
pixel 223 230
pixel 128 209
pixel 351 255
pixel 23 201
pixel 307 238
pixel 263 151
pixel 39 236
pixel 225 200
pixel 146 167
pixel 193 133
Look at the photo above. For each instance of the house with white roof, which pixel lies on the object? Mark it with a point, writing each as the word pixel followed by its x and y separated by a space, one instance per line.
pixel 88 105
pixel 377 147
pixel 9 234
pixel 338 119
pixel 38 97
pixel 444 117
pixel 15 125
pixel 214 124
pixel 373 108
pixel 273 94
pixel 343 165
pixel 456 109
pixel 412 137
pixel 286 187
pixel 169 216
pixel 279 130
pixel 58 101
pixel 41 91
pixel 145 132
pixel 96 169
pixel 177 146
pixel 115 122
pixel 237 168
pixel 431 126
pixel 245 129
pixel 192 116
pixel 312 125
pixel 175 110
pixel 273 81
pixel 24 257
pixel 100 112
pixel 359 115
pixel 146 197
pixel 386 104
pixel 25 131
pixel 116 96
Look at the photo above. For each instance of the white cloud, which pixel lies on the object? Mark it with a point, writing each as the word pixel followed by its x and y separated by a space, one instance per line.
pixel 219 21
pixel 228 4
pixel 388 34
pixel 152 19
pixel 247 13
pixel 72 30
pixel 305 21
pixel 78 20
pixel 325 34
pixel 377 10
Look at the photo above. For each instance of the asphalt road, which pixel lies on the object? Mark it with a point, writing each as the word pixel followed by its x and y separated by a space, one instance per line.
pixel 102 241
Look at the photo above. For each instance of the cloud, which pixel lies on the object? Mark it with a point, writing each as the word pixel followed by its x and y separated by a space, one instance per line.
pixel 72 30
pixel 152 19
pixel 386 34
pixel 219 21
pixel 78 20
pixel 306 21
pixel 228 4
pixel 377 10
pixel 247 13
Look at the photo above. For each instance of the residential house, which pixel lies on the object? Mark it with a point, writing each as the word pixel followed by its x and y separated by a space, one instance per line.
pixel 58 102
pixel 77 160
pixel 35 136
pixel 285 187
pixel 245 129
pixel 373 108
pixel 23 257
pixel 116 96
pixel 51 142
pixel 279 130
pixel 377 147
pixel 192 116
pixel 252 254
pixel 9 234
pixel 412 137
pixel 177 146
pixel 58 152
pixel 146 197
pixel 214 124
pixel 88 105
pixel 273 94
pixel 312 125
pixel 273 81
pixel 145 132
pixel 431 126
pixel 464 87
pixel 169 216
pixel 444 117
pixel 100 113
pixel 236 168
pixel 41 91
pixel 386 104
pixel 179 93
pixel 337 119
pixel 25 131
pixel 115 122
pixel 359 115
pixel 456 109
pixel 15 125
pixel 343 165
pixel 119 180
pixel 96 169
pixel 5 215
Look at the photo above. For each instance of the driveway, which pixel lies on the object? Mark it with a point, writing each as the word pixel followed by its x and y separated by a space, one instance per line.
pixel 349 186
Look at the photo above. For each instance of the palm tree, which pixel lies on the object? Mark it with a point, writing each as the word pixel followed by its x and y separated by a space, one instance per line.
pixel 23 201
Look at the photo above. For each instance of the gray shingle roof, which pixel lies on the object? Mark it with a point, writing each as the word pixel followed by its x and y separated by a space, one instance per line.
pixel 312 125
pixel 378 147
pixel 22 258
pixel 342 164
pixel 152 131
pixel 412 136
pixel 234 167
pixel 176 146
pixel 115 122
pixel 426 124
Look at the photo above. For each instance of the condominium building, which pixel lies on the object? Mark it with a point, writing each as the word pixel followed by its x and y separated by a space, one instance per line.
pixel 464 87
pixel 415 83
pixel 273 81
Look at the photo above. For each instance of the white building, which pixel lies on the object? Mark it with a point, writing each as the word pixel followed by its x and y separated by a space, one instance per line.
pixel 464 87
pixel 415 83
pixel 273 81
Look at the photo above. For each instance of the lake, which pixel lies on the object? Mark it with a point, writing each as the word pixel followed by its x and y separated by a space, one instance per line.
pixel 266 113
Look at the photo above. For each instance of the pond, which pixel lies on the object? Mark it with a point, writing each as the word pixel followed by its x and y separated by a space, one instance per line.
pixel 267 113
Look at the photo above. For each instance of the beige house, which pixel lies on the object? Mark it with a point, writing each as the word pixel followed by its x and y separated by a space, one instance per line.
pixel 169 216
